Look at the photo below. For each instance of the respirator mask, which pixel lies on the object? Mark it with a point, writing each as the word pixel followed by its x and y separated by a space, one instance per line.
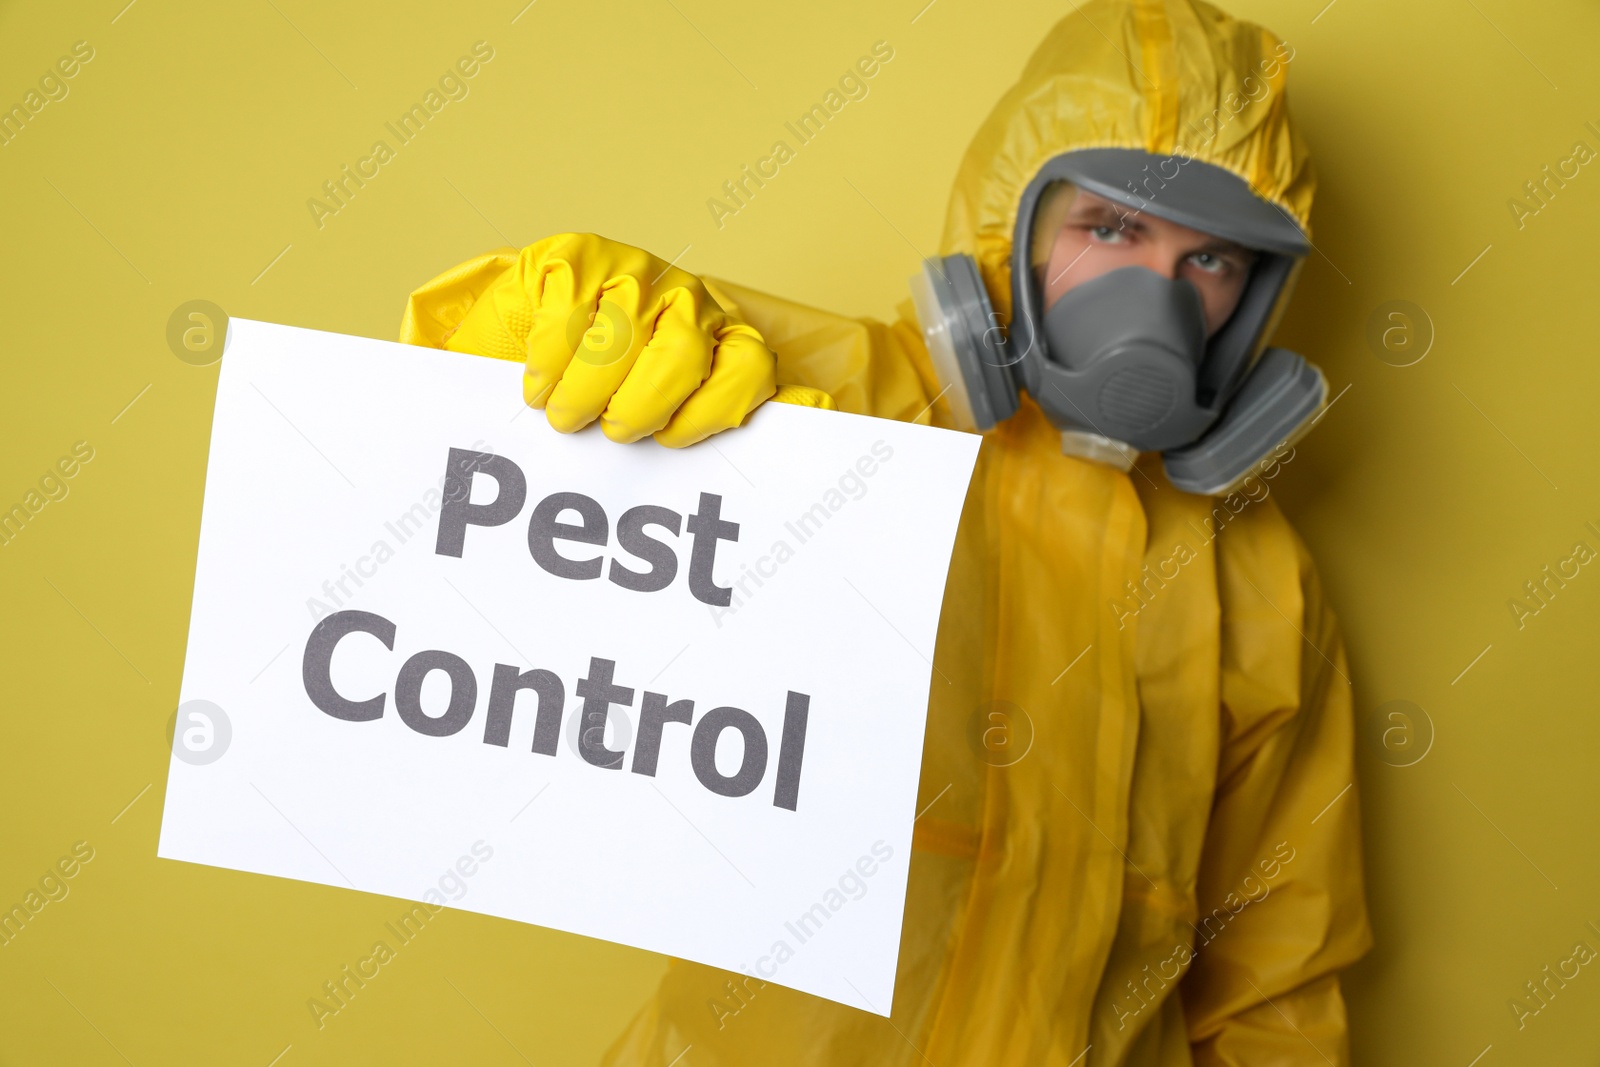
pixel 1121 363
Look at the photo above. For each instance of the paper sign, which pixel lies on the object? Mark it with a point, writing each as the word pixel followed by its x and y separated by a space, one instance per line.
pixel 670 698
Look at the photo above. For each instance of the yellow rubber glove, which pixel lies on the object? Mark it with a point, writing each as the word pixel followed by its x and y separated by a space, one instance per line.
pixel 608 331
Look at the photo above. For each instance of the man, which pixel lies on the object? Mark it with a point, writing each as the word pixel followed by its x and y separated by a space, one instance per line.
pixel 1139 841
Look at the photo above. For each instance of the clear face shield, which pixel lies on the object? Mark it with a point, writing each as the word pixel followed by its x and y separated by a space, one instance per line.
pixel 1122 363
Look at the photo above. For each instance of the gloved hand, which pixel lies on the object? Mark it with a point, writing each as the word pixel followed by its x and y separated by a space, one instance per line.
pixel 608 331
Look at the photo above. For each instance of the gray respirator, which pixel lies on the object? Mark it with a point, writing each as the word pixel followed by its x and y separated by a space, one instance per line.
pixel 1121 363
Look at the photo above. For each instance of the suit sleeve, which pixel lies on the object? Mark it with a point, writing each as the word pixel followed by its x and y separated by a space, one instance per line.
pixel 1281 908
pixel 868 367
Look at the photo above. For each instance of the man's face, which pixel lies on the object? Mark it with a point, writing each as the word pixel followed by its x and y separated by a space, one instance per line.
pixel 1099 236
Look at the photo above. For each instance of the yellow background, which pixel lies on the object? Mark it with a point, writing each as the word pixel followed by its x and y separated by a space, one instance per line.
pixel 179 167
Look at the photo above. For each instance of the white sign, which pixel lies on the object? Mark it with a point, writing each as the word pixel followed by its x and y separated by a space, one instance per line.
pixel 669 698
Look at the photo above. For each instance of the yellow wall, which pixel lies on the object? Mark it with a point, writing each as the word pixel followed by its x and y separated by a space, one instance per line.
pixel 180 165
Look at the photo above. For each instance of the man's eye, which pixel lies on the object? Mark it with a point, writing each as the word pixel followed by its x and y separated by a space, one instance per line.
pixel 1211 264
pixel 1107 234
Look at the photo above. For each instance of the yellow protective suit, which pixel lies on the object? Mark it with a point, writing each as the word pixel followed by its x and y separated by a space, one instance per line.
pixel 1141 837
